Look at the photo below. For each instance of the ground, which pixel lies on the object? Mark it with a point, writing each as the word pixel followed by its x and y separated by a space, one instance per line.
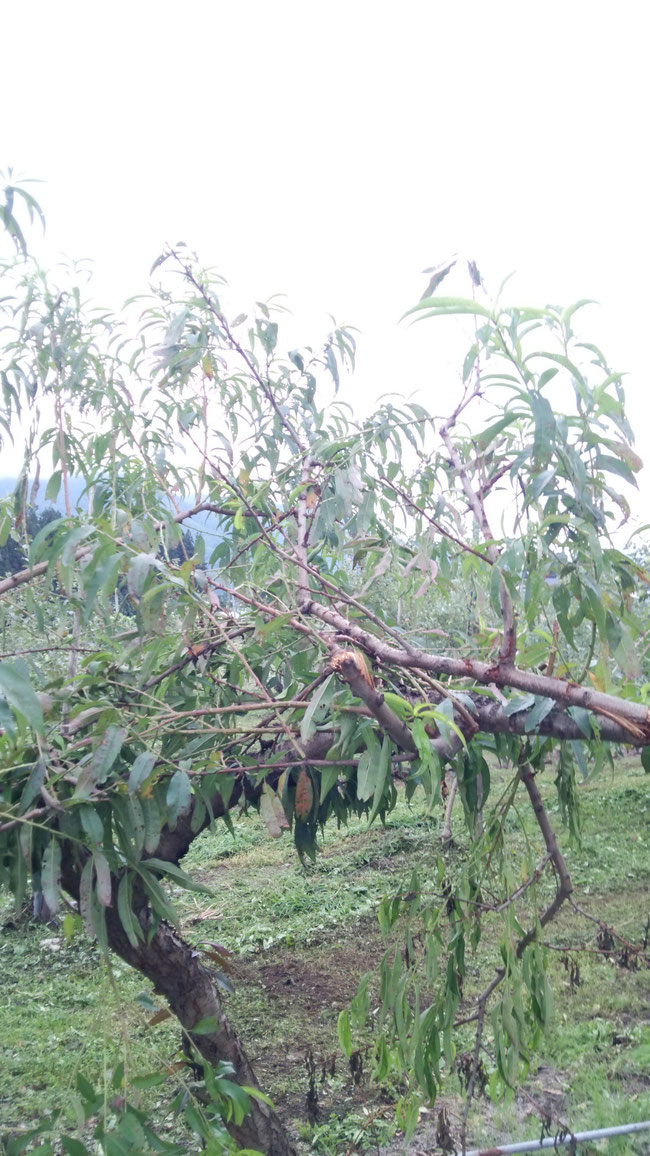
pixel 300 940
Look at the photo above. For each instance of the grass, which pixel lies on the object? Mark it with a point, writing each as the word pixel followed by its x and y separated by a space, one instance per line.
pixel 301 938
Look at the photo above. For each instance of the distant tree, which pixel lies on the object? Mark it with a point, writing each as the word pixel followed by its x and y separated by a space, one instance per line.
pixel 14 550
pixel 271 666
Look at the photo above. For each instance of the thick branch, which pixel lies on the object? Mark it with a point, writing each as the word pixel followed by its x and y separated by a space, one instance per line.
pixel 348 665
pixel 633 717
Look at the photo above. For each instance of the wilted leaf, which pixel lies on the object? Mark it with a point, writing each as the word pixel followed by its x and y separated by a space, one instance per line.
pixel 272 812
pixel 304 796
pixel 159 1017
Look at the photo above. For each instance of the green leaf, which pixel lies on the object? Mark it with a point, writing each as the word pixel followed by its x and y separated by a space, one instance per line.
pixel 383 778
pixel 205 1027
pixel 102 760
pixel 518 702
pixel 308 726
pixel 51 874
pixel 544 426
pixel 441 306
pixel 92 824
pixel 344 1032
pixel 85 893
pixel 179 797
pixel 160 901
pixel 129 922
pixel 610 465
pixel 138 570
pixel 141 769
pixel 20 695
pixel 487 436
pixel 367 769
pixel 53 486
pixel 103 873
pixel 73 1147
pixel 180 876
pixel 645 759
pixel 542 707
pixel 328 778
pixel 32 786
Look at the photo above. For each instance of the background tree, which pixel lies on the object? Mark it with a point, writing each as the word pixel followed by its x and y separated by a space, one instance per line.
pixel 273 667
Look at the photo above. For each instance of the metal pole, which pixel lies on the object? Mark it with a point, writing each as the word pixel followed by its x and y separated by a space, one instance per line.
pixel 571 1138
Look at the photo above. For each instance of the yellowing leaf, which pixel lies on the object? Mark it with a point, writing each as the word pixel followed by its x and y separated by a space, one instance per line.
pixel 272 812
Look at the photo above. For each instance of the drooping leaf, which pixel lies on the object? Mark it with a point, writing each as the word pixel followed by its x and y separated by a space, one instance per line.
pixel 127 916
pixel 179 797
pixel 141 769
pixel 103 873
pixel 307 726
pixel 304 796
pixel 51 874
pixel 101 762
pixel 272 812
pixel 20 695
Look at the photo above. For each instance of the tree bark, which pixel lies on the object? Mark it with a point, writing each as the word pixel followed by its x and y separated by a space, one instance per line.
pixel 177 974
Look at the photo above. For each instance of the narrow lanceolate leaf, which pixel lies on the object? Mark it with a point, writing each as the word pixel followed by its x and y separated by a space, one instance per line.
pixel 141 769
pixel 103 873
pixel 101 762
pixel 367 775
pixel 343 1031
pixel 85 892
pixel 442 306
pixel 152 824
pixel 177 874
pixel 159 900
pixel 179 797
pixel 383 776
pixel 128 919
pixel 20 695
pixel 304 797
pixel 51 874
pixel 272 812
pixel 32 786
pixel 308 726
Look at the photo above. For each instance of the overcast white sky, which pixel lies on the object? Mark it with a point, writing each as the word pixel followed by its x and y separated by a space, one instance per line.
pixel 332 150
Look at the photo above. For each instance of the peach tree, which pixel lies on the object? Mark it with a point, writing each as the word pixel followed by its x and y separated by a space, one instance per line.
pixel 142 698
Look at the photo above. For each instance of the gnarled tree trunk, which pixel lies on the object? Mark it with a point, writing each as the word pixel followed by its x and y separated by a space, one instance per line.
pixel 177 974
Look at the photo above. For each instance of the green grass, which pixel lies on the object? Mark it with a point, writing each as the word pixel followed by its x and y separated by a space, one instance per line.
pixel 301 938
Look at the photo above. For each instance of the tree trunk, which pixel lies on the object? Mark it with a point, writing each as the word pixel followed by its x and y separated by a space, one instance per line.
pixel 177 974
